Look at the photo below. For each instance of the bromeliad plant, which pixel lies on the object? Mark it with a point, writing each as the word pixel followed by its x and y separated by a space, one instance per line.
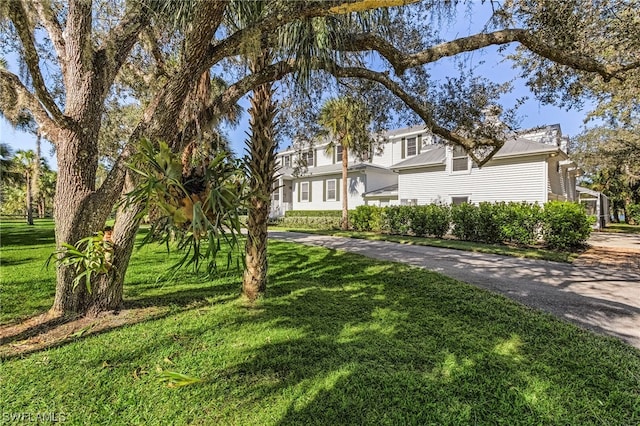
pixel 193 201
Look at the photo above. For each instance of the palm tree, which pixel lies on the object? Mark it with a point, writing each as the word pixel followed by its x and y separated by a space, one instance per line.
pixel 25 164
pixel 301 42
pixel 345 121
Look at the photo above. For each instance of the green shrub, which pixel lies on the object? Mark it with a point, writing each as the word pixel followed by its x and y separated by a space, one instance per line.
pixel 464 218
pixel 360 219
pixel 520 223
pixel 366 218
pixel 314 213
pixel 396 220
pixel 565 225
pixel 438 220
pixel 488 226
pixel 418 220
pixel 325 222
pixel 633 210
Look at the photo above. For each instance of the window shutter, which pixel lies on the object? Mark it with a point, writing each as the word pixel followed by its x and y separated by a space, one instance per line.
pixel 324 190
pixel 419 143
pixel 299 190
pixel 311 186
pixel 315 163
pixel 338 189
pixel 403 143
pixel 335 154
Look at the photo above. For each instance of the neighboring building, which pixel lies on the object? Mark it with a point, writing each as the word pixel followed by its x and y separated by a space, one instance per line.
pixel 414 167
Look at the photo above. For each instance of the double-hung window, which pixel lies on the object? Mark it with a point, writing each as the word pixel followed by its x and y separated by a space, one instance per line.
pixel 307 158
pixel 338 153
pixel 304 191
pixel 412 147
pixel 287 161
pixel 331 190
pixel 460 160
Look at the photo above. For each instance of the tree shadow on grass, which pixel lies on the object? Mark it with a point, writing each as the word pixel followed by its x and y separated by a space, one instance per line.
pixel 394 345
pixel 346 340
pixel 26 236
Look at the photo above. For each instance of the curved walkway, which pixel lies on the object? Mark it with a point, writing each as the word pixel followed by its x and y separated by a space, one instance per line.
pixel 605 299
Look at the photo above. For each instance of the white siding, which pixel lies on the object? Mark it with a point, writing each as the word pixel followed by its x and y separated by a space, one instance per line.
pixel 378 179
pixel 323 159
pixel 355 187
pixel 518 179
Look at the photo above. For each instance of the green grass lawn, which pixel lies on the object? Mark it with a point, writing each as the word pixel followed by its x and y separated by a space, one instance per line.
pixel 528 252
pixel 622 228
pixel 340 339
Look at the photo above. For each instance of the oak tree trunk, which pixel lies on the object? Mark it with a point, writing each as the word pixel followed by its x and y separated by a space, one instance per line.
pixel 108 288
pixel 77 214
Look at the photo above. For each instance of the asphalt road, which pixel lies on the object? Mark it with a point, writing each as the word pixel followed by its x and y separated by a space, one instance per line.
pixel 602 299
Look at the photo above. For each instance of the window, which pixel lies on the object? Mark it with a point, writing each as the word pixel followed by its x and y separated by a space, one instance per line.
pixel 307 158
pixel 331 190
pixel 409 202
pixel 304 191
pixel 275 192
pixel 455 201
pixel 338 153
pixel 286 161
pixel 412 147
pixel 460 161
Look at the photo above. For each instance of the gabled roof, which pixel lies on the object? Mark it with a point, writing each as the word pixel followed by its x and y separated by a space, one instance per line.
pixel 511 148
pixel 432 157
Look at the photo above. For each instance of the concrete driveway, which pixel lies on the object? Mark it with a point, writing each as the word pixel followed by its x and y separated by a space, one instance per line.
pixel 605 299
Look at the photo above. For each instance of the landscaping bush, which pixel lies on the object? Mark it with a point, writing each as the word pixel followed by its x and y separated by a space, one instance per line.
pixel 326 222
pixel 488 226
pixel 360 218
pixel 437 220
pixel 396 220
pixel 417 216
pixel 464 218
pixel 520 223
pixel 565 225
pixel 314 213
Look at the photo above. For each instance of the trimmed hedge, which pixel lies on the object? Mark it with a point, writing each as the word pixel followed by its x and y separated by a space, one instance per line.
pixel 314 213
pixel 561 225
pixel 565 225
pixel 312 222
pixel 366 218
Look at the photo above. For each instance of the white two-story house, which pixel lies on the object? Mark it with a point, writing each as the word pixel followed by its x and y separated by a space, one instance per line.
pixel 414 167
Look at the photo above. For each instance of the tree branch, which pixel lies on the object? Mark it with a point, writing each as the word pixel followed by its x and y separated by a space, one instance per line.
pixel 121 39
pixel 421 109
pixel 16 97
pixel 224 102
pixel 24 27
pixel 53 27
pixel 78 36
pixel 402 61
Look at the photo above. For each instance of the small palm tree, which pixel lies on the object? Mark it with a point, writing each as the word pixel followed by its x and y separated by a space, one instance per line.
pixel 25 164
pixel 345 121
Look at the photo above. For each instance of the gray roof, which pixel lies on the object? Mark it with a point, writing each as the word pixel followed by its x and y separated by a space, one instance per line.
pixel 431 157
pixel 333 168
pixel 387 191
pixel 513 147
pixel 395 132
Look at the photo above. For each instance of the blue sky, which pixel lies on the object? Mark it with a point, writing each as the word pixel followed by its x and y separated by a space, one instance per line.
pixel 532 112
